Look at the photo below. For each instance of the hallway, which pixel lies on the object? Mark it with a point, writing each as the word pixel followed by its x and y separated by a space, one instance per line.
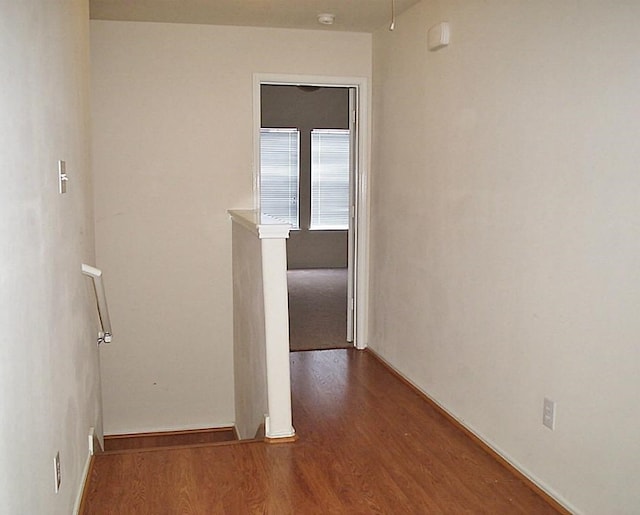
pixel 367 444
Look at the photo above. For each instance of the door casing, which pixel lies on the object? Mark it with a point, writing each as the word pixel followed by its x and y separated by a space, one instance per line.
pixel 360 261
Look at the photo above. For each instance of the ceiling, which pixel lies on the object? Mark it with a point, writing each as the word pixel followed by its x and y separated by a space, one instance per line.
pixel 350 15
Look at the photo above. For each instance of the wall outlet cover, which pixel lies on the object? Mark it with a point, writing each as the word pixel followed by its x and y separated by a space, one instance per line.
pixel 549 414
pixel 438 36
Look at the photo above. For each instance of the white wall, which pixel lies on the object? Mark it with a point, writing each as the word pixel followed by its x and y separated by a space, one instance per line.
pixel 49 383
pixel 172 151
pixel 506 230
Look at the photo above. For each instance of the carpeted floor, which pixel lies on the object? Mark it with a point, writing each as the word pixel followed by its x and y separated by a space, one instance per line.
pixel 318 308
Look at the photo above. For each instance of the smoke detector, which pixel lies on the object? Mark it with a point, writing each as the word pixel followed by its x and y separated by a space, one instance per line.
pixel 326 18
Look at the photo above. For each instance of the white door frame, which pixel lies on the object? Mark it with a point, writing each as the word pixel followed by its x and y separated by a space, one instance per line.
pixel 361 264
pixel 353 218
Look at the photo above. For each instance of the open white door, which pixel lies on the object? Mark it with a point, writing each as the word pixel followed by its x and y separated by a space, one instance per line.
pixel 357 285
pixel 353 177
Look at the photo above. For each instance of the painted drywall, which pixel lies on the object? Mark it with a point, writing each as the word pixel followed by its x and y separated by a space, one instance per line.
pixel 172 148
pixel 249 356
pixel 505 221
pixel 305 110
pixel 49 372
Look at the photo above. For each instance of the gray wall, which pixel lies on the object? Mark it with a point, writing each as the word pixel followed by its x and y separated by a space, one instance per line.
pixel 307 109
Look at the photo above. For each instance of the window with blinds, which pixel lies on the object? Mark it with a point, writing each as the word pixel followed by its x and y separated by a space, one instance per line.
pixel 329 179
pixel 279 172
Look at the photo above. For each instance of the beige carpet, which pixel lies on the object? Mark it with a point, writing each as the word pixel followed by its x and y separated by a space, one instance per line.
pixel 318 308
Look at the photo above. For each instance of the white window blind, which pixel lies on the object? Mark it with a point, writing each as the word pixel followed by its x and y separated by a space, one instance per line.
pixel 329 179
pixel 279 172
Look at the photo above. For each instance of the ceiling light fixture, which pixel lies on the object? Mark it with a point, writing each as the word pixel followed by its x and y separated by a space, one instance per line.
pixel 326 18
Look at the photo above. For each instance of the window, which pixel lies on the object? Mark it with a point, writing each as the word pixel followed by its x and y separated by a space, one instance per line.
pixel 279 172
pixel 329 179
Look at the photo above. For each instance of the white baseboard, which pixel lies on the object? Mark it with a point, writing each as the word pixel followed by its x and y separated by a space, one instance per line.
pixel 83 482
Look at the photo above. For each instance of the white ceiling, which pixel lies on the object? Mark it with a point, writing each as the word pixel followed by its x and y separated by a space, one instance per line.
pixel 351 15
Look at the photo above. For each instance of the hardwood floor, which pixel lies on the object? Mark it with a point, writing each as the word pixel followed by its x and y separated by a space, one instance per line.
pixel 367 444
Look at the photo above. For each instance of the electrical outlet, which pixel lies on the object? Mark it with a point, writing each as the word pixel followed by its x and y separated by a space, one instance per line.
pixel 57 472
pixel 92 437
pixel 549 414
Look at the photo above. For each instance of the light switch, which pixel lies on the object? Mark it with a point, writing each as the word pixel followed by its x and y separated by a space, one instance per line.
pixel 62 177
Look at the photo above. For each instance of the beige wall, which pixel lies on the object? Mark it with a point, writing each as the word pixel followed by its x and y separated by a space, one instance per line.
pixel 172 151
pixel 249 353
pixel 505 222
pixel 49 374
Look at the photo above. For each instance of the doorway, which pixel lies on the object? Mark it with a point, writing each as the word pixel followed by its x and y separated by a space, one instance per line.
pixel 337 254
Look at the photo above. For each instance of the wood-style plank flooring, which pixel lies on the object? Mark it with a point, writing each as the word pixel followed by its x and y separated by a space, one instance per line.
pixel 367 444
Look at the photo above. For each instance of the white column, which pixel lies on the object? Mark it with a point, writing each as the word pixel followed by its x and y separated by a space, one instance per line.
pixel 272 235
pixel 276 320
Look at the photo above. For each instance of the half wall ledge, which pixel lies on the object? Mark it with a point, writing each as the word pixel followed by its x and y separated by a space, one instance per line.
pixel 263 226
pixel 261 326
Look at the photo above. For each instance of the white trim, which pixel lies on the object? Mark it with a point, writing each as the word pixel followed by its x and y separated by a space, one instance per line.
pixel 264 227
pixel 276 230
pixel 83 482
pixel 272 435
pixel 276 334
pixel 362 194
pixel 247 218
